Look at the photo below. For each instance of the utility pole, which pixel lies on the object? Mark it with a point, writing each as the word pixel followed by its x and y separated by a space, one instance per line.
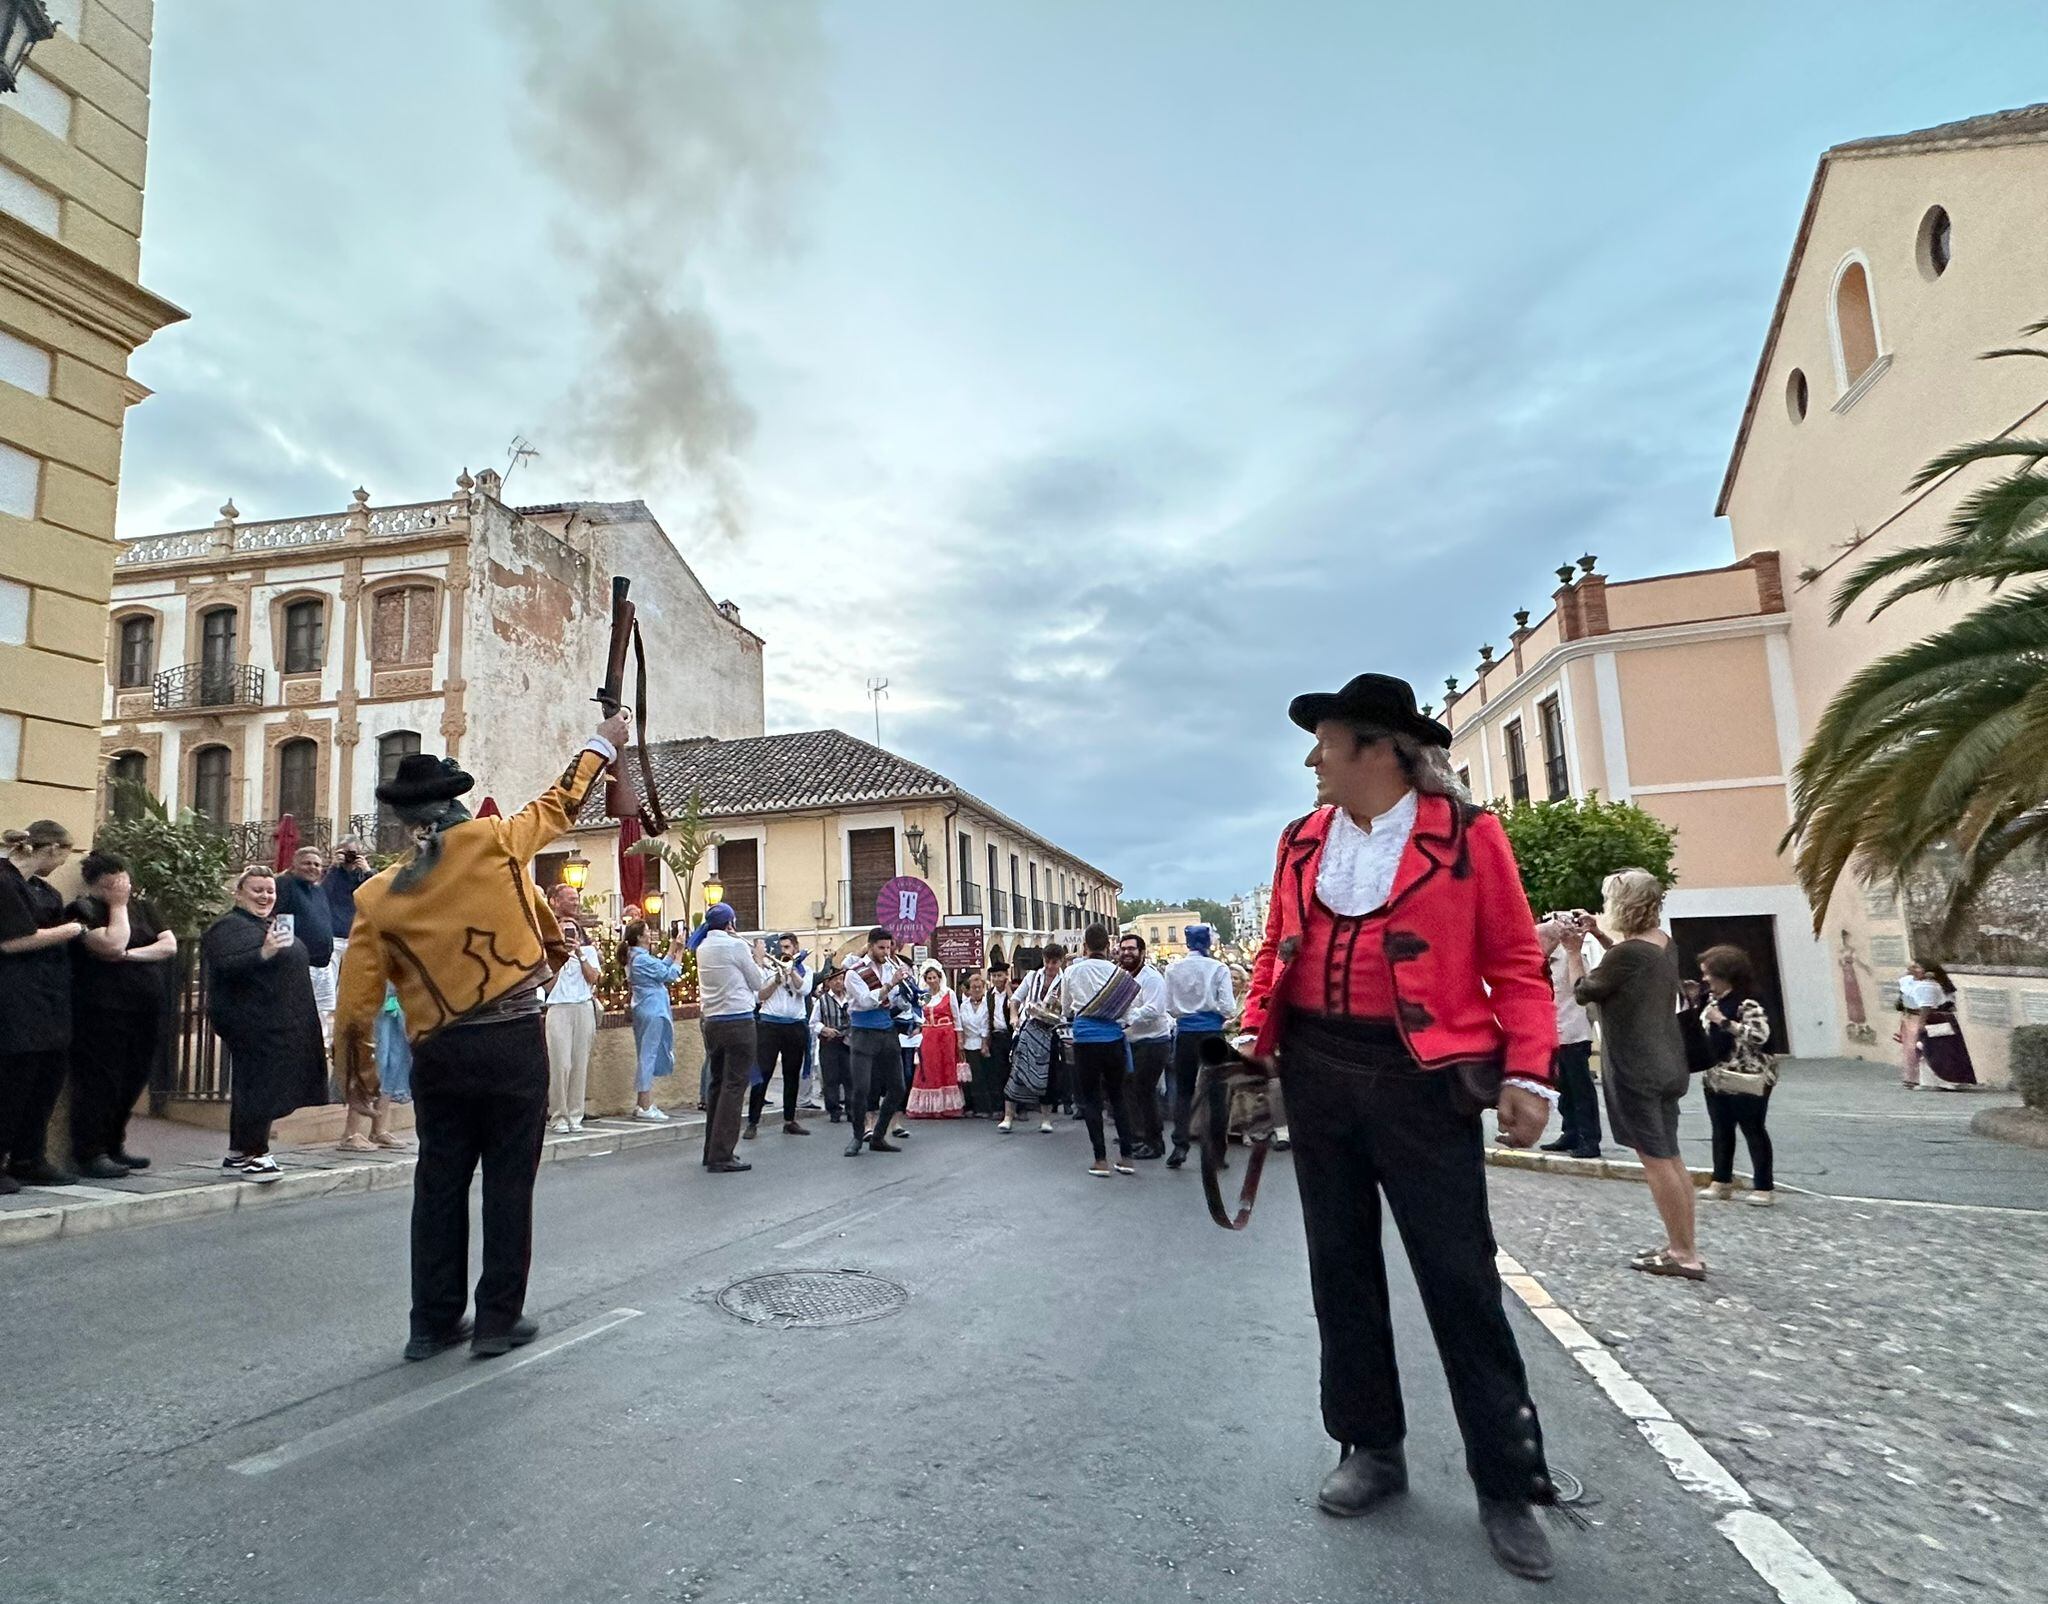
pixel 877 689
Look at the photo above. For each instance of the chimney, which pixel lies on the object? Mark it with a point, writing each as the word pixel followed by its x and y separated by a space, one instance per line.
pixel 1770 581
pixel 489 482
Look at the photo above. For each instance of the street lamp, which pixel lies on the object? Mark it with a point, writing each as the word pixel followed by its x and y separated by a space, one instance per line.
pixel 24 24
pixel 714 893
pixel 913 837
pixel 575 872
pixel 651 905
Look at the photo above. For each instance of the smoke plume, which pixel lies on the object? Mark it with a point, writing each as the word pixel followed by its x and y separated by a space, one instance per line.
pixel 682 135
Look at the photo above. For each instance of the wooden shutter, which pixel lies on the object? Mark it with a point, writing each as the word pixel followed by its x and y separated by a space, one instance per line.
pixel 871 864
pixel 739 871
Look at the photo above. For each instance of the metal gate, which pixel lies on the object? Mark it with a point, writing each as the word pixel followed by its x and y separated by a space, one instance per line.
pixel 192 1062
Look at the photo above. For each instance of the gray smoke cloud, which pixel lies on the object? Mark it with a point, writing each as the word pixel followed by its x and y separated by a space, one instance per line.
pixel 682 135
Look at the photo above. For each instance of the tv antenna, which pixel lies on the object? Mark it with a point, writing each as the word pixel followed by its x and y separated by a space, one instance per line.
pixel 878 688
pixel 521 450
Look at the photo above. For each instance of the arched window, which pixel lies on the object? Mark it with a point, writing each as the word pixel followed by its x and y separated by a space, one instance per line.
pixel 392 750
pixel 126 776
pixel 210 771
pixel 1854 323
pixel 298 780
pixel 402 625
pixel 305 636
pixel 138 651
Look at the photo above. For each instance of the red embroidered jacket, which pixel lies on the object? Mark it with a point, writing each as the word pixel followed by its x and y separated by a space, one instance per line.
pixel 1458 945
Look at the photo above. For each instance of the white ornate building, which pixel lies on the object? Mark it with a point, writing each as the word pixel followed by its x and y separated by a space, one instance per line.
pixel 260 669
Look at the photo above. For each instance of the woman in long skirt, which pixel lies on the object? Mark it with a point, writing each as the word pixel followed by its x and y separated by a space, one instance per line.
pixel 260 999
pixel 1943 1052
pixel 935 1093
pixel 654 1026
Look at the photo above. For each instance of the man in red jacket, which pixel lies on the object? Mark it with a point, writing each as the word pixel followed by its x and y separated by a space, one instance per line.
pixel 1401 987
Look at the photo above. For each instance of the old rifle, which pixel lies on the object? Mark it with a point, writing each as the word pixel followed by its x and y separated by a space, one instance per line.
pixel 627 794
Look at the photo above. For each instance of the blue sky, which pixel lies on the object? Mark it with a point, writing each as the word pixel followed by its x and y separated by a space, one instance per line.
pixel 1101 373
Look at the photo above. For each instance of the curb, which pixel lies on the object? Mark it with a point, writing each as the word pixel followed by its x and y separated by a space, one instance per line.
pixel 1592 1169
pixel 2028 1127
pixel 20 1227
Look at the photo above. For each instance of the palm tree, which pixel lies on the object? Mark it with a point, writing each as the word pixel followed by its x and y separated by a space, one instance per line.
pixel 1941 750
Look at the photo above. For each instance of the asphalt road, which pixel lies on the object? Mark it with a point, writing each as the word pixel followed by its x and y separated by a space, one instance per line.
pixel 1091 1392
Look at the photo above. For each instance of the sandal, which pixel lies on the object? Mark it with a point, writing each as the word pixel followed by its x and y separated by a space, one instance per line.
pixel 1662 1263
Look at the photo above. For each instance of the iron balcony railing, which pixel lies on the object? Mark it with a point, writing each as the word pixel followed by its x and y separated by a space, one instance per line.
pixel 1037 914
pixel 970 897
pixel 196 685
pixel 999 909
pixel 1558 776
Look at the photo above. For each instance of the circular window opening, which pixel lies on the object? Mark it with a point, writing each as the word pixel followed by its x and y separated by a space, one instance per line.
pixel 1795 395
pixel 1936 244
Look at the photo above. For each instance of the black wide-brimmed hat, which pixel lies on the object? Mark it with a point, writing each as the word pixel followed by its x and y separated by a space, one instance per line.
pixel 421 778
pixel 1378 700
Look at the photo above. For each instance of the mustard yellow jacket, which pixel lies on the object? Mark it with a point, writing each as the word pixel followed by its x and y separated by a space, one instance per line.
pixel 475 930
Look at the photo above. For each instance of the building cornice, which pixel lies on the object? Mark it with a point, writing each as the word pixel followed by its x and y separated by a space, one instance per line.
pixel 1706 629
pixel 52 274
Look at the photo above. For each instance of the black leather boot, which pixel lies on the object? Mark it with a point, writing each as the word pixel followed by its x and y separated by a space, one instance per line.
pixel 1364 1478
pixel 1517 1537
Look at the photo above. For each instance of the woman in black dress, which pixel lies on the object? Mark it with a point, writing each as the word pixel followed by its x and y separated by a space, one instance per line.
pixel 259 985
pixel 1643 1068
pixel 35 1001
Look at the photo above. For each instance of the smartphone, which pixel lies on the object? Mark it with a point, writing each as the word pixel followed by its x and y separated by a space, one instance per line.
pixel 285 924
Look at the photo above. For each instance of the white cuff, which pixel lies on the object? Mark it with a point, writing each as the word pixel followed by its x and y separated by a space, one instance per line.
pixel 1547 1093
pixel 602 747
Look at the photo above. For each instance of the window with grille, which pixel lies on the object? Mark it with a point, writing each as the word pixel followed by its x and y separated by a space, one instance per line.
pixel 126 775
pixel 402 626
pixel 1556 771
pixel 138 651
pixel 210 772
pixel 1518 764
pixel 305 636
pixel 392 750
pixel 298 779
pixel 217 638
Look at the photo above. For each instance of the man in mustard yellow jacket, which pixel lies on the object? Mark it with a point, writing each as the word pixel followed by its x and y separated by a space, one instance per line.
pixel 462 932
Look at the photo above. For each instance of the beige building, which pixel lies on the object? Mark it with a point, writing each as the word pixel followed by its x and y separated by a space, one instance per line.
pixel 815 822
pixel 72 311
pixel 1165 932
pixel 1693 694
pixel 255 670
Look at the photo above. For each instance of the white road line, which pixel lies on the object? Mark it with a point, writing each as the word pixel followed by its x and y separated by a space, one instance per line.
pixel 1784 1562
pixel 1916 1202
pixel 412 1403
pixel 836 1226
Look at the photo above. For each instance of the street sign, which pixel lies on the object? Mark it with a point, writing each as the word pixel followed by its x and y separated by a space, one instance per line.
pixel 908 909
pixel 957 943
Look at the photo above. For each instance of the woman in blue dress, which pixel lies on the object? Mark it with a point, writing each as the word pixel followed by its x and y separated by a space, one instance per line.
pixel 654 1029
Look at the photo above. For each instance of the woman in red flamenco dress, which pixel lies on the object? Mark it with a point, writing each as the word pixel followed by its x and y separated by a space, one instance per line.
pixel 935 1093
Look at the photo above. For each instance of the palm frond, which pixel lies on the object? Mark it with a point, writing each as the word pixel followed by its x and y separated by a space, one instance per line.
pixel 2009 350
pixel 1978 451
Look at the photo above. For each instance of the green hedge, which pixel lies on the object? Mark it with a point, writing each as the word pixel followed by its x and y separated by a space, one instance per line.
pixel 2030 1064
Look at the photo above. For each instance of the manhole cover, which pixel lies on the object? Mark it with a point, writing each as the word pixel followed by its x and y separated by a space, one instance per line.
pixel 812 1298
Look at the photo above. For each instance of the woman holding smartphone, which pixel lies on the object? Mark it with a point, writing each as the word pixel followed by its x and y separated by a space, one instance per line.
pixel 260 998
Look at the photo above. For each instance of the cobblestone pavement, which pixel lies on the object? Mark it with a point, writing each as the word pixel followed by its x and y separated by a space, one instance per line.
pixel 1872 1373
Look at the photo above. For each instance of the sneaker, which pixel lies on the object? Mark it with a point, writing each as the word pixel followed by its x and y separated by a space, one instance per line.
pixel 575 1122
pixel 262 1169
pixel 653 1116
pixel 355 1142
pixel 560 1127
pixel 1005 1127
pixel 1280 1142
pixel 235 1161
pixel 1762 1200
pixel 1721 1191
pixel 1046 1127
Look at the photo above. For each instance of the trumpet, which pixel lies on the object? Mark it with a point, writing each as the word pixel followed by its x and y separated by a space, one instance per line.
pixel 785 969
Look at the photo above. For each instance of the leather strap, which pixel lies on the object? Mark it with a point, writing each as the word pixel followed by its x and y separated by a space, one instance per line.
pixel 652 819
pixel 1213 1094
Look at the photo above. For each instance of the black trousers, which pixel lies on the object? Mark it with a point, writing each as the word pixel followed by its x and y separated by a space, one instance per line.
pixel 1578 1099
pixel 111 1057
pixel 1187 1064
pixel 835 1072
pixel 729 1055
pixel 998 1070
pixel 29 1087
pixel 1099 1077
pixel 1730 1112
pixel 877 1065
pixel 787 1040
pixel 480 1097
pixel 1149 1061
pixel 1365 1120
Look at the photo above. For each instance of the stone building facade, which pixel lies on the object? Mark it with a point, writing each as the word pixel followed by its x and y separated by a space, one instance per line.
pixel 73 138
pixel 255 670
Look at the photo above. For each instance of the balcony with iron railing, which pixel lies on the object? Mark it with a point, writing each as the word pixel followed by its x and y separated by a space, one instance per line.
pixel 999 909
pixel 970 897
pixel 194 687
pixel 1037 914
pixel 1558 775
